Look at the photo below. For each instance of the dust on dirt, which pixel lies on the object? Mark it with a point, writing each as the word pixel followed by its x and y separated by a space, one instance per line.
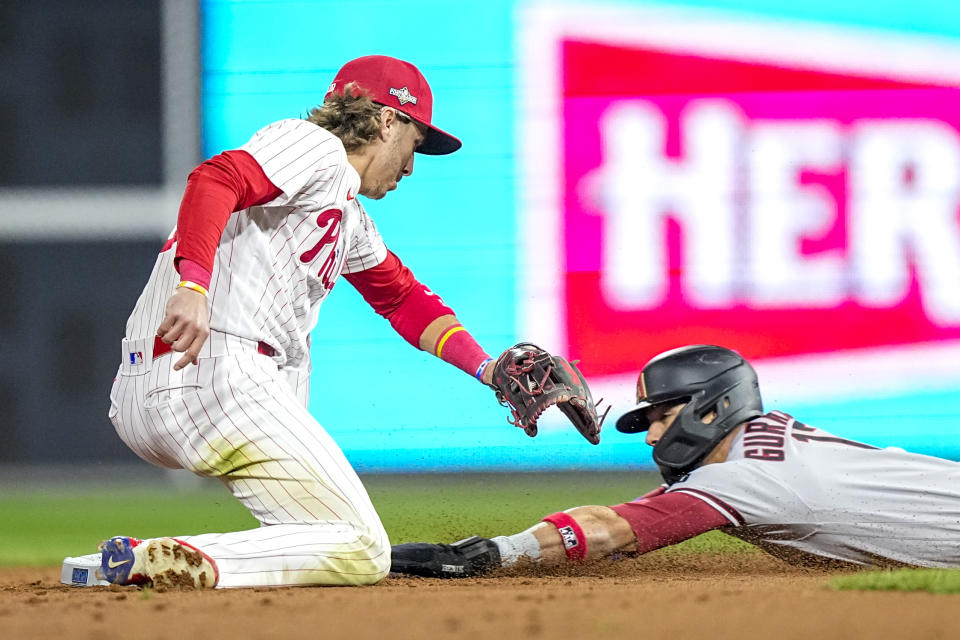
pixel 691 596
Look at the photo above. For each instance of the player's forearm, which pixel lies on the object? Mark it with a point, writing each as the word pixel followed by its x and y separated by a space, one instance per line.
pixel 581 533
pixel 420 316
pixel 604 533
pixel 447 339
pixel 591 532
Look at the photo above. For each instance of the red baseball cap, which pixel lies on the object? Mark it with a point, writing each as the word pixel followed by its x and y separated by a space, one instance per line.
pixel 398 84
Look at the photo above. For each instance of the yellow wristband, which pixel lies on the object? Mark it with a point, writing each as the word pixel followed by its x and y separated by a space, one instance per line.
pixel 187 284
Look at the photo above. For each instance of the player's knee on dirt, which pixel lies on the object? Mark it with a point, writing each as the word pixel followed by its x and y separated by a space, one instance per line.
pixel 377 565
pixel 344 556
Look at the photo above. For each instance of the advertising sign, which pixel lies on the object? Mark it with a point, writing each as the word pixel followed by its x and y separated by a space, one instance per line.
pixel 786 190
pixel 721 182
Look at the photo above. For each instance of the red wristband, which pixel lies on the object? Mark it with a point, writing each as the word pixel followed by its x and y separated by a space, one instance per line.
pixel 574 540
pixel 190 270
pixel 456 346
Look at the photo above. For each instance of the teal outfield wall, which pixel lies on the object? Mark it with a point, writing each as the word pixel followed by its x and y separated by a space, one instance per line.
pixel 457 221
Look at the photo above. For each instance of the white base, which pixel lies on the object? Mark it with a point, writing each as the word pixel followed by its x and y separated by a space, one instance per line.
pixel 82 571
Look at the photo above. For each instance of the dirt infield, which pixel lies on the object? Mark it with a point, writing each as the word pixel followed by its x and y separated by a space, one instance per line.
pixel 662 595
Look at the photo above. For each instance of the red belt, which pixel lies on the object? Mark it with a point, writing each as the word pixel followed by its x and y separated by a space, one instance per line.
pixel 162 348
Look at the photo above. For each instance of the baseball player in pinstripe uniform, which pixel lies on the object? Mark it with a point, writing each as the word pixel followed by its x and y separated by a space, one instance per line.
pixel 216 357
pixel 799 493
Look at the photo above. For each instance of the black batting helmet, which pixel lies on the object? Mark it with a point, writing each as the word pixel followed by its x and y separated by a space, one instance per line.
pixel 707 378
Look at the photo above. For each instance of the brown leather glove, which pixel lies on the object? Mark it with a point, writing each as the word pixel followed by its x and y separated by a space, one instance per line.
pixel 528 380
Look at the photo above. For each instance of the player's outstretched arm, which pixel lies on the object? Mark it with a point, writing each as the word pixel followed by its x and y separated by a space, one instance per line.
pixel 525 378
pixel 583 533
pixel 576 535
pixel 601 533
pixel 592 532
pixel 420 316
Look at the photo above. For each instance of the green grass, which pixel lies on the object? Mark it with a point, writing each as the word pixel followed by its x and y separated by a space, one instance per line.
pixel 931 580
pixel 41 527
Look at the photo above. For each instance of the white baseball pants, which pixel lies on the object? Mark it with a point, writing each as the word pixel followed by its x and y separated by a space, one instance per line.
pixel 237 417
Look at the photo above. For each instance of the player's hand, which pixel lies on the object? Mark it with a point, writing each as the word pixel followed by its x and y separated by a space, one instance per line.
pixel 487 376
pixel 186 325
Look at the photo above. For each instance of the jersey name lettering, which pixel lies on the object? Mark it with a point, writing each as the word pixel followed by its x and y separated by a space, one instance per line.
pixel 764 438
pixel 774 455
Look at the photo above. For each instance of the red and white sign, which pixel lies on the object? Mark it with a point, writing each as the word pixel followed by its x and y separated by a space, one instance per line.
pixel 776 189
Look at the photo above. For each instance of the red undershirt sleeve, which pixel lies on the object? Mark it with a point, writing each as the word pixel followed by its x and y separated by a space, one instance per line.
pixel 669 518
pixel 228 182
pixel 394 293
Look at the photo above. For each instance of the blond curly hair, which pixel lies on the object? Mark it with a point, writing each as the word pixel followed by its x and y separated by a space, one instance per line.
pixel 353 117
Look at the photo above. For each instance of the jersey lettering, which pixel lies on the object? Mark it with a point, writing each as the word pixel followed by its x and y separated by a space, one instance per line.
pixel 773 455
pixel 762 427
pixel 764 438
pixel 329 219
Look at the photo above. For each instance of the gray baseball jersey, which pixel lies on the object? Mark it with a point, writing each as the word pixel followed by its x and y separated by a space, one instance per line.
pixel 795 490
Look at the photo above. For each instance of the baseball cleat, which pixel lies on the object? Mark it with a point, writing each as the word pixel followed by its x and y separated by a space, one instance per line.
pixel 117 559
pixel 162 562
pixel 466 558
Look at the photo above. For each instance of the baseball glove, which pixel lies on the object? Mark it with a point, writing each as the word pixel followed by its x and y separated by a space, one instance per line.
pixel 528 380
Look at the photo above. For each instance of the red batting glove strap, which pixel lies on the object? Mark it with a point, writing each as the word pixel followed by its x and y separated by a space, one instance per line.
pixel 574 540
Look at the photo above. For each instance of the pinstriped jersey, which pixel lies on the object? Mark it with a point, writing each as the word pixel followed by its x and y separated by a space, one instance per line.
pixel 795 490
pixel 277 262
